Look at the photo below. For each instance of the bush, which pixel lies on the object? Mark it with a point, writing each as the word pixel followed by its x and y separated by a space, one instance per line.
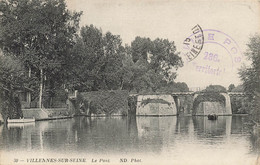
pixel 10 106
pixel 106 102
pixel 241 105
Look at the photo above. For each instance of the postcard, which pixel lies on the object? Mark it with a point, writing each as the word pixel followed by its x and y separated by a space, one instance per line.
pixel 129 82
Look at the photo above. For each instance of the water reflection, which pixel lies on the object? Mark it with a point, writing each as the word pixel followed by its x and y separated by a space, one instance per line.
pixel 212 128
pixel 155 132
pixel 20 125
pixel 172 136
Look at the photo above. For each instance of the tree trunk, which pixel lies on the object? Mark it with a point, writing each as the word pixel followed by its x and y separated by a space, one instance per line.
pixel 41 85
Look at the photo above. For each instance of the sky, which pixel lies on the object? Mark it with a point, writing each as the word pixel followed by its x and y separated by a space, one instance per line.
pixel 226 26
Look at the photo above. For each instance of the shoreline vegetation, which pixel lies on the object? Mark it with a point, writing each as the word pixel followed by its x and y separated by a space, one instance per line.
pixel 45 55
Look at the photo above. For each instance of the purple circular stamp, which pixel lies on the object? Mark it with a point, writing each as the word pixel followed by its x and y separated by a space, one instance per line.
pixel 194 43
pixel 217 53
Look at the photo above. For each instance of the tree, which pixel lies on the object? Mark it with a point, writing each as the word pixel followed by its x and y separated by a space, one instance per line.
pixel 113 52
pixel 175 87
pixel 87 59
pixel 215 88
pixel 154 63
pixel 240 104
pixel 99 62
pixel 40 33
pixel 12 76
pixel 239 88
pixel 231 87
pixel 164 58
pixel 127 70
pixel 140 47
pixel 250 75
pixel 160 54
pixel 96 61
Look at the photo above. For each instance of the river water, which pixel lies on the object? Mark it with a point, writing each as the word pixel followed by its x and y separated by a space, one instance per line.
pixel 120 140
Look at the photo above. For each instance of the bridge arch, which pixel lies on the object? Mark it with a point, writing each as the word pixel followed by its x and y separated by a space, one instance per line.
pixel 156 105
pixel 211 105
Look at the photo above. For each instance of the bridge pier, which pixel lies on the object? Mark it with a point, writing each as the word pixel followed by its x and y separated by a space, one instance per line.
pixel 177 103
pixel 227 104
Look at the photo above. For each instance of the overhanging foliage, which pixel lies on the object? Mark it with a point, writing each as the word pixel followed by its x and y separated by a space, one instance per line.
pixel 106 102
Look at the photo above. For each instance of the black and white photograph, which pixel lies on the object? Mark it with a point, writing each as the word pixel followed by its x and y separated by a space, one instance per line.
pixel 129 82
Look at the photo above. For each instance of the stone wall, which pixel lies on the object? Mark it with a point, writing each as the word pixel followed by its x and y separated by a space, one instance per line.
pixel 155 105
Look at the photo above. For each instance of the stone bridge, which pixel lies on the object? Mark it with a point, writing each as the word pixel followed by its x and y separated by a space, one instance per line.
pixel 168 104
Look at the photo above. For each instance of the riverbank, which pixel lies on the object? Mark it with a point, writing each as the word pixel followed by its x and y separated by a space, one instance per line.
pixel 46 114
pixel 189 115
